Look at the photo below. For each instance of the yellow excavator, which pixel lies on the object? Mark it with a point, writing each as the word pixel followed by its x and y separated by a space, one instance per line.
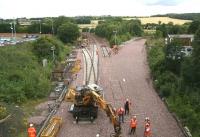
pixel 86 99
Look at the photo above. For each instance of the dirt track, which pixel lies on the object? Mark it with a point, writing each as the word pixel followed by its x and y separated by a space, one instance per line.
pixel 125 75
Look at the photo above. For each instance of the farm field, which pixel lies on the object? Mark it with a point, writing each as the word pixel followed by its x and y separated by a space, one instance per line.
pixel 93 24
pixel 144 20
pixel 165 20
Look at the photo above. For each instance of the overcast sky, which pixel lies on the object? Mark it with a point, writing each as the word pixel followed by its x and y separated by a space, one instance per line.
pixel 52 8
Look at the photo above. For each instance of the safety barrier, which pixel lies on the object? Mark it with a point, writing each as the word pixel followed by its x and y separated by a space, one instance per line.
pixel 2 120
pixel 56 106
pixel 53 127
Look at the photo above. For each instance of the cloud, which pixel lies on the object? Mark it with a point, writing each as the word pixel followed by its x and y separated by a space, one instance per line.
pixel 40 8
pixel 162 2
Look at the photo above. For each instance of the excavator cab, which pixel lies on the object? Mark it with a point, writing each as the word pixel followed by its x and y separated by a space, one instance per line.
pixel 84 106
pixel 86 100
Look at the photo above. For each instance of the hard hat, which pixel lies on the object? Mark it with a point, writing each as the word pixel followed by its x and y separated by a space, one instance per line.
pixel 146 118
pixel 97 135
pixel 127 99
pixel 31 125
pixel 134 117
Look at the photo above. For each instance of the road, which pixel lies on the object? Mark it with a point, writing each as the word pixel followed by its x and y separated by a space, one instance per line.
pixel 124 75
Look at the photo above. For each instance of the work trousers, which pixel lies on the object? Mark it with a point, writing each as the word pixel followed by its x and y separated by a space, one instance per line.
pixel 126 110
pixel 121 118
pixel 133 130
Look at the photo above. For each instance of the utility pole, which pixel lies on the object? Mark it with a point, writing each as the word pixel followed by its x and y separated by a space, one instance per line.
pixel 53 48
pixel 115 32
pixel 52 26
pixel 11 27
pixel 14 23
pixel 40 27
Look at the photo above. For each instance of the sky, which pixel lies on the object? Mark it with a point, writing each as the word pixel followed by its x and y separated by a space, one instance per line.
pixel 53 8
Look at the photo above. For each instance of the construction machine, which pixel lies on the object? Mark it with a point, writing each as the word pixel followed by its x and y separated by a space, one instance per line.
pixel 86 100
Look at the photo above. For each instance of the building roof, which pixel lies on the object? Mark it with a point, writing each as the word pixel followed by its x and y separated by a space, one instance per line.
pixel 181 36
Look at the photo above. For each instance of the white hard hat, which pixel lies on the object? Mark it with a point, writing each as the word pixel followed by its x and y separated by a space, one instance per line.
pixel 127 99
pixel 134 117
pixel 31 125
pixel 97 135
pixel 147 118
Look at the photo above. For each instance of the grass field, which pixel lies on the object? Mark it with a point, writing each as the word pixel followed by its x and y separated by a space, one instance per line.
pixel 165 20
pixel 93 24
pixel 144 20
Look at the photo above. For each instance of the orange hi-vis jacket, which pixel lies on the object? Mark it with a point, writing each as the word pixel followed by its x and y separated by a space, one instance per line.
pixel 133 123
pixel 147 131
pixel 31 132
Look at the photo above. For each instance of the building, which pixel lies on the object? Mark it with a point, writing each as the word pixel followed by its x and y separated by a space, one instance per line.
pixel 185 38
pixel 186 41
pixel 24 21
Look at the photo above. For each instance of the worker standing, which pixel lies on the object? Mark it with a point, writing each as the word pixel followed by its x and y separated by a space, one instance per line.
pixel 127 106
pixel 121 115
pixel 147 130
pixel 31 131
pixel 133 125
pixel 147 121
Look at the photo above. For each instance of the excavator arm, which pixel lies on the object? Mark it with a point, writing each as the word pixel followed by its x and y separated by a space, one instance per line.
pixel 88 96
pixel 70 96
pixel 111 113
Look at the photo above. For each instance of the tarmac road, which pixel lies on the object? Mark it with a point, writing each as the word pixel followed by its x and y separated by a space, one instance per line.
pixel 124 75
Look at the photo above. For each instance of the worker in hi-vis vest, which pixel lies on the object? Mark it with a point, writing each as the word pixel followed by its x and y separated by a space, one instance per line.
pixel 133 125
pixel 31 131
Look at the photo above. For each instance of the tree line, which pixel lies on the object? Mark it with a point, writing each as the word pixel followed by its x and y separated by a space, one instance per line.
pixel 45 25
pixel 22 76
pixel 162 29
pixel 185 16
pixel 117 30
pixel 177 78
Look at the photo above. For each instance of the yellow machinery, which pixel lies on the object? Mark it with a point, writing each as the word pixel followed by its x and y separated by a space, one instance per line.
pixel 77 66
pixel 86 100
pixel 53 127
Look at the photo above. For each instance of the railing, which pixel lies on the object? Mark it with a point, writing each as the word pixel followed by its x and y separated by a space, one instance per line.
pixel 47 126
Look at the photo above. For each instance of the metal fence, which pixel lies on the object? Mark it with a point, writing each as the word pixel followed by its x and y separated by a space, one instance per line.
pixel 14 123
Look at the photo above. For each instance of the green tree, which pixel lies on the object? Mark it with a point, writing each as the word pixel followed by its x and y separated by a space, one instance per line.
pixel 125 29
pixel 3 112
pixel 174 56
pixel 34 28
pixel 196 57
pixel 163 29
pixel 191 66
pixel 42 47
pixel 135 28
pixel 85 29
pixel 5 28
pixel 21 77
pixel 83 20
pixel 158 34
pixel 193 27
pixel 61 20
pixel 68 32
